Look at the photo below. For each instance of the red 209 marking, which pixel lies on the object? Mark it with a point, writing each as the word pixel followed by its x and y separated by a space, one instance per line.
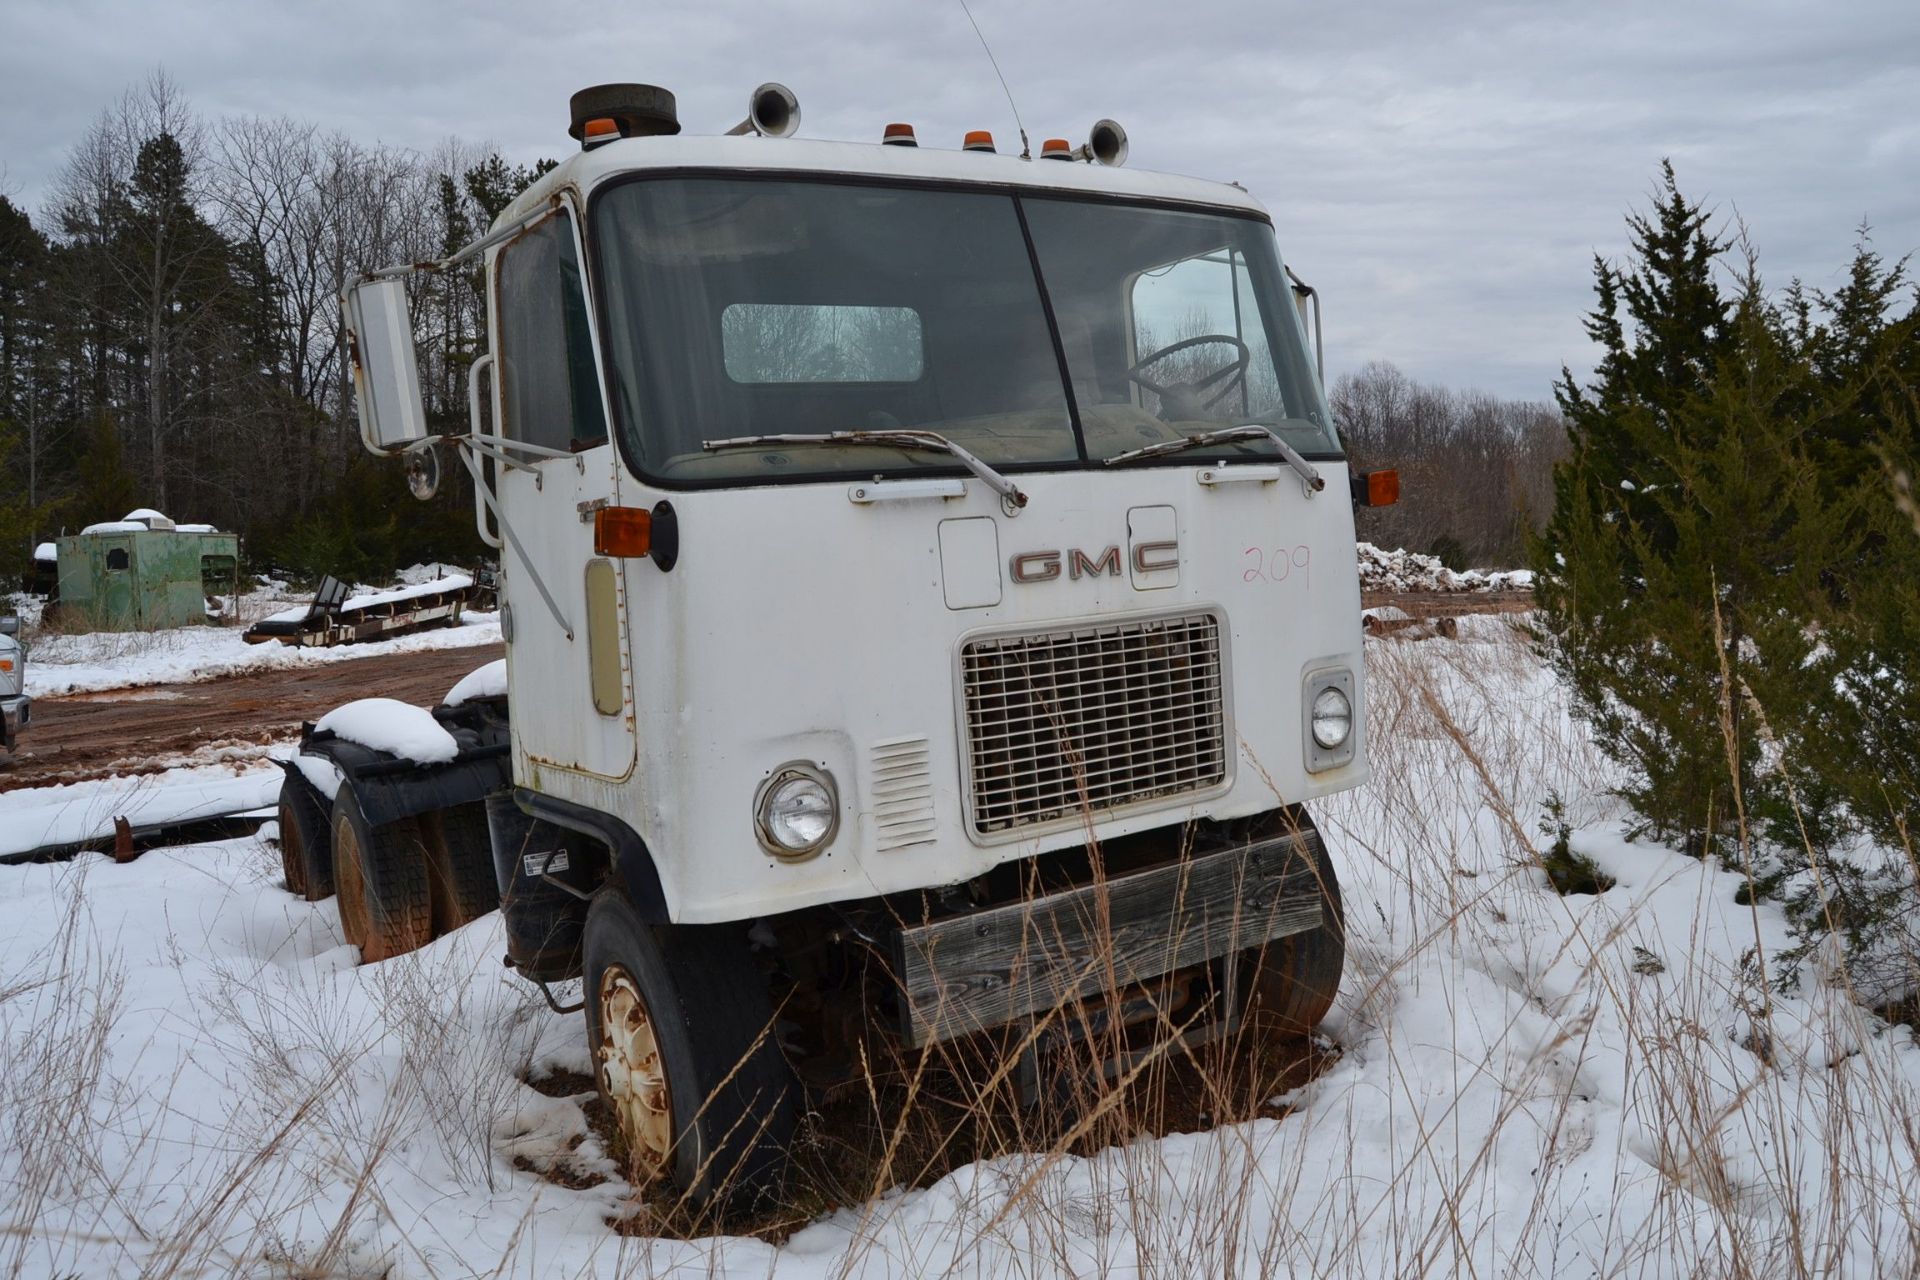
pixel 1276 565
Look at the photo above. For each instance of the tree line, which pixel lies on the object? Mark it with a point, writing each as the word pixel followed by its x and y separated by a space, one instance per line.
pixel 1476 470
pixel 170 332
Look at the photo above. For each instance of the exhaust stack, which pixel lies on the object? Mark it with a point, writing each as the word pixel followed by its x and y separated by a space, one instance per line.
pixel 608 111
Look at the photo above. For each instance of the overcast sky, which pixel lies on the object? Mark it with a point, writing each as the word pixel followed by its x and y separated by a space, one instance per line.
pixel 1444 173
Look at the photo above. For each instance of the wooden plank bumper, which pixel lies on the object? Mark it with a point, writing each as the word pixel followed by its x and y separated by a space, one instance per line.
pixel 991 967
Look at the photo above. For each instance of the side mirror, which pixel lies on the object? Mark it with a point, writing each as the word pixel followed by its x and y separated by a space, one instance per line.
pixel 9 626
pixel 386 375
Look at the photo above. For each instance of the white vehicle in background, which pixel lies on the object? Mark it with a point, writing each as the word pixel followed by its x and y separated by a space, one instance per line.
pixel 16 708
pixel 924 573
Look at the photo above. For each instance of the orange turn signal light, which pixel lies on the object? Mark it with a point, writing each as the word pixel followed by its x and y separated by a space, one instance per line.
pixel 6 664
pixel 626 533
pixel 1382 488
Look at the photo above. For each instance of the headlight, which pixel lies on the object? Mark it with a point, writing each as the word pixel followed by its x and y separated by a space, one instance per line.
pixel 1332 718
pixel 796 810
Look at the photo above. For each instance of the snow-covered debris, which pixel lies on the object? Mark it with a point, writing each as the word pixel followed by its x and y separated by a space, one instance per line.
pixel 46 551
pixel 414 575
pixel 387 724
pixel 489 681
pixel 1403 570
pixel 452 582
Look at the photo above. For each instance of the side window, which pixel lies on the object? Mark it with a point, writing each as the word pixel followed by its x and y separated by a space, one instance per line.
pixel 549 392
pixel 1197 323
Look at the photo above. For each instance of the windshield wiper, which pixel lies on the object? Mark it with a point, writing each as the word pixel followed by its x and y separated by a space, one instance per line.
pixel 926 441
pixel 1309 477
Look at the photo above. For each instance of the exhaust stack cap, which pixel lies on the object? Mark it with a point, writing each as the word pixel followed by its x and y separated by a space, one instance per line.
pixel 637 110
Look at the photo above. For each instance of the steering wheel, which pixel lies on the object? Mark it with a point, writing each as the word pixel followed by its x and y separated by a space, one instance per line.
pixel 1188 399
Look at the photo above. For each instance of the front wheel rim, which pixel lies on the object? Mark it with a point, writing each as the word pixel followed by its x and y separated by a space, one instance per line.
pixel 633 1075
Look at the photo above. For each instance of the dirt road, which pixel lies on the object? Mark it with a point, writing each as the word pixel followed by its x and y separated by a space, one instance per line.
pixel 127 731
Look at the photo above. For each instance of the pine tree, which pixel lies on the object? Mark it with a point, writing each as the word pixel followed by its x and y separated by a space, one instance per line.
pixel 1696 535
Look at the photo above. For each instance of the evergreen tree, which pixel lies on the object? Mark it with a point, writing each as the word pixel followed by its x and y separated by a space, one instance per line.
pixel 1728 584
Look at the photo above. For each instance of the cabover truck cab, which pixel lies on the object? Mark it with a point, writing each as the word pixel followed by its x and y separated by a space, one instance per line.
pixel 934 567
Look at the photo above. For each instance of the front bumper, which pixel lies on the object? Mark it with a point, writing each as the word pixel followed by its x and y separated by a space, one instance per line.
pixel 15 714
pixel 987 968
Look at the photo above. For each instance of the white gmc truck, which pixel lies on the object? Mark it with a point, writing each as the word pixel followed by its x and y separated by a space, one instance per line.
pixel 929 597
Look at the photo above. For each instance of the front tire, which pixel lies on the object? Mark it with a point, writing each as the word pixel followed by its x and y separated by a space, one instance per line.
pixel 1296 978
pixel 681 1033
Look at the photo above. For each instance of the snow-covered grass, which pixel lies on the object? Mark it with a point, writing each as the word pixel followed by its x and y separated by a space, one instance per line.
pixel 200 1081
pixel 99 660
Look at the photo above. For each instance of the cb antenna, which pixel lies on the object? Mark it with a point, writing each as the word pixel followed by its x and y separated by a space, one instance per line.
pixel 1026 148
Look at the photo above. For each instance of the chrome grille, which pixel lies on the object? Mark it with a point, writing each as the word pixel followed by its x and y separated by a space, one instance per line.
pixel 1095 717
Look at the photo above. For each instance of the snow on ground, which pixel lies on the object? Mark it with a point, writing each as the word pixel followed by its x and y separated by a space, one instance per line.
pixel 94 661
pixel 201 1081
pixel 122 660
pixel 1403 570
pixel 36 817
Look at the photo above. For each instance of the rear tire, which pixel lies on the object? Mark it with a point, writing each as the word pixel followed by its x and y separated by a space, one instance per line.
pixel 681 1033
pixel 1296 978
pixel 306 841
pixel 386 907
pixel 460 861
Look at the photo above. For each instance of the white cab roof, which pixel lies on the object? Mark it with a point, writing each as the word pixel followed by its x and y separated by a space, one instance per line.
pixel 751 154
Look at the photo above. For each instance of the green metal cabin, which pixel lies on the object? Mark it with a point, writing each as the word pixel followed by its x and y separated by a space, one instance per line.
pixel 128 576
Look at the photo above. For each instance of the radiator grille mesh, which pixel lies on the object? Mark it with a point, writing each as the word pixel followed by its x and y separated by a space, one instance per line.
pixel 1100 716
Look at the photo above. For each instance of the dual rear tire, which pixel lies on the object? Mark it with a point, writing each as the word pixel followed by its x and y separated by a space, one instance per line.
pixel 400 884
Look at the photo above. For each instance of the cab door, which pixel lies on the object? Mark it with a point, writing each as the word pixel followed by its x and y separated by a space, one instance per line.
pixel 568 680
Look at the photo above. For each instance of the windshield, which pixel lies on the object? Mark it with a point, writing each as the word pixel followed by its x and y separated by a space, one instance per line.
pixel 749 306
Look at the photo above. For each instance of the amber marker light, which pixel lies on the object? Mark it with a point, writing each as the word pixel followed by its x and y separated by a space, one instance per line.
pixel 899 135
pixel 625 533
pixel 977 140
pixel 1377 488
pixel 598 130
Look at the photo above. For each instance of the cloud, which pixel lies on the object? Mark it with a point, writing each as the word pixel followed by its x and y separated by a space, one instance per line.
pixel 1443 173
